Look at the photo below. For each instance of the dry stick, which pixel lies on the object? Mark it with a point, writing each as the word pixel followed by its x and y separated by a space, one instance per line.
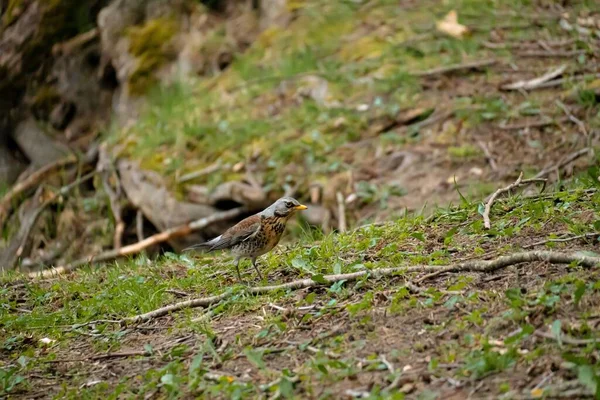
pixel 566 339
pixel 135 248
pixel 341 212
pixel 29 222
pixel 536 124
pixel 454 68
pixel 488 155
pixel 139 225
pixel 203 172
pixel 31 181
pixel 572 118
pixel 534 83
pixel 115 207
pixel 519 182
pixel 562 240
pixel 567 160
pixel 551 54
pixel 106 168
pixel 467 266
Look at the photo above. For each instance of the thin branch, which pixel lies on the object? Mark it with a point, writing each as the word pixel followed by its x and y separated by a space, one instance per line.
pixel 341 212
pixel 519 182
pixel 562 240
pixel 106 169
pixel 31 181
pixel 467 266
pixel 572 118
pixel 534 83
pixel 135 248
pixel 488 155
pixel 455 68
pixel 565 161
pixel 566 339
pixel 552 54
pixel 536 124
pixel 101 357
pixel 202 172
pixel 15 248
pixel 139 225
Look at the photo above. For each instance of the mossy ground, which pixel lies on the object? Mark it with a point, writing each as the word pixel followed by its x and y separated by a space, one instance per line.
pixel 308 102
pixel 466 333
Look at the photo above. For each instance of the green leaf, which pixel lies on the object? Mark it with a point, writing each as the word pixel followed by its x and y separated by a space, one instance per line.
pixel 336 287
pixel 481 208
pixel 319 279
pixel 556 331
pixel 196 363
pixel 167 379
pixel 579 291
pixel 286 388
pixel 148 348
pixel 255 357
pixel 337 268
pixel 299 263
pixel 418 235
pixel 587 376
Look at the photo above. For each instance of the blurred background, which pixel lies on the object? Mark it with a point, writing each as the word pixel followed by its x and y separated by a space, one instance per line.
pixel 120 119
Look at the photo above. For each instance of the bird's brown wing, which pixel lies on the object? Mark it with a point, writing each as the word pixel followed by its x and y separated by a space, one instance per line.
pixel 243 230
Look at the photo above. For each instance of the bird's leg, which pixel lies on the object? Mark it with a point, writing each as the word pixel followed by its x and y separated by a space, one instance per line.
pixel 237 268
pixel 256 268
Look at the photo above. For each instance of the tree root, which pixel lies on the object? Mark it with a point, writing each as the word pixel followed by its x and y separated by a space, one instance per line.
pixel 30 182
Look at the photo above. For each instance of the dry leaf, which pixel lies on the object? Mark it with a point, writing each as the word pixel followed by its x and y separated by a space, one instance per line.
pixel 537 393
pixel 450 26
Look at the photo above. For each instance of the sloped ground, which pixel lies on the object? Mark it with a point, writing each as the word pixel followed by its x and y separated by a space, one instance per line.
pixel 527 330
pixel 400 126
pixel 370 99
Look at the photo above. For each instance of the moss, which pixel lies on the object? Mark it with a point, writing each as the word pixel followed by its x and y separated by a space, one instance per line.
pixel 61 19
pixel 46 97
pixel 13 10
pixel 149 43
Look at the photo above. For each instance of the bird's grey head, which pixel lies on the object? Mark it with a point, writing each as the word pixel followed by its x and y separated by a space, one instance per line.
pixel 285 207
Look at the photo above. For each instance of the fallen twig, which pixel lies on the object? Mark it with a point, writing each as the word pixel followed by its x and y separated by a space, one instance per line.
pixel 536 124
pixel 562 240
pixel 551 54
pixel 139 225
pixel 100 357
pixel 454 68
pixel 135 248
pixel 15 248
pixel 203 172
pixel 566 160
pixel 566 339
pixel 105 168
pixel 488 155
pixel 519 182
pixel 31 181
pixel 471 266
pixel 534 83
pixel 572 118
pixel 341 212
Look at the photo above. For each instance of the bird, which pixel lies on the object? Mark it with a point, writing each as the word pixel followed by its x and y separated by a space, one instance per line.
pixel 255 235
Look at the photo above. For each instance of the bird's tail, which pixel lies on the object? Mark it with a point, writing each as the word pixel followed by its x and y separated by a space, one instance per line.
pixel 205 245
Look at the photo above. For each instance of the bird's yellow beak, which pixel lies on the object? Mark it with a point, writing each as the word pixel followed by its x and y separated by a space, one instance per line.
pixel 300 207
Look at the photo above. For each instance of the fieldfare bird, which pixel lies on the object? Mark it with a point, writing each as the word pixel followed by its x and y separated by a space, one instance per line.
pixel 256 235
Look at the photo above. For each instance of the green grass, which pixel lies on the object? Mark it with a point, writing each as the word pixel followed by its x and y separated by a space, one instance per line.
pixel 239 115
pixel 56 308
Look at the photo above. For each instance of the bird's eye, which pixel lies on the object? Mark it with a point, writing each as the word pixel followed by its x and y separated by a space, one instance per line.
pixel 289 204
